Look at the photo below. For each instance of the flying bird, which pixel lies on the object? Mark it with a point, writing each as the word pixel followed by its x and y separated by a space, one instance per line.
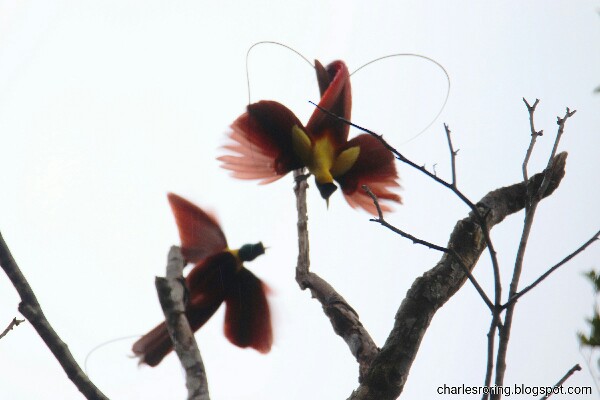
pixel 218 276
pixel 268 141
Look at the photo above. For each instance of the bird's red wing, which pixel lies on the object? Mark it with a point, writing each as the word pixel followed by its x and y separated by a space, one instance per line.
pixel 210 280
pixel 262 143
pixel 247 317
pixel 336 96
pixel 207 284
pixel 374 167
pixel 200 233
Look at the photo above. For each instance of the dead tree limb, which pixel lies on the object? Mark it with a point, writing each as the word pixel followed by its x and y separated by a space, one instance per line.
pixel 14 323
pixel 31 309
pixel 344 319
pixel 390 368
pixel 171 293
pixel 562 380
pixel 534 196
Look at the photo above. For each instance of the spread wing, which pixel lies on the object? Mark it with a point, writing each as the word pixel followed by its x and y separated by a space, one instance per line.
pixel 207 283
pixel 247 317
pixel 262 143
pixel 374 167
pixel 200 233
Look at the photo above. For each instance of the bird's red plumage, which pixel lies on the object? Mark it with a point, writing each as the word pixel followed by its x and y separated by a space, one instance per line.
pixel 375 168
pixel 217 277
pixel 262 143
pixel 247 316
pixel 199 232
pixel 336 96
pixel 262 139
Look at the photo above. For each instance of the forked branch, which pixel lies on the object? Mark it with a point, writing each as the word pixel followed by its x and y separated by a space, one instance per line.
pixel 31 309
pixel 479 216
pixel 381 220
pixel 389 371
pixel 534 195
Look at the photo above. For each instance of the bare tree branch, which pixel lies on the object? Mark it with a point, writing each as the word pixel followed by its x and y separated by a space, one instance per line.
pixel 381 220
pixel 481 218
pixel 389 371
pixel 496 317
pixel 171 293
pixel 452 154
pixel 533 199
pixel 562 380
pixel 344 319
pixel 565 260
pixel 534 136
pixel 561 128
pixel 491 337
pixel 13 323
pixel 31 309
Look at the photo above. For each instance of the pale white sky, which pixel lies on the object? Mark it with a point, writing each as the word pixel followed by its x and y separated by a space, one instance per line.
pixel 107 106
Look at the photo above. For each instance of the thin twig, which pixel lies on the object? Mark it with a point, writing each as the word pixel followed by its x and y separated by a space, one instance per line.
pixel 562 380
pixel 534 136
pixel 401 157
pixel 13 323
pixel 482 219
pixel 381 220
pixel 31 309
pixel 452 154
pixel 344 319
pixel 533 199
pixel 497 286
pixel 561 128
pixel 551 270
pixel 474 208
pixel 389 371
pixel 171 293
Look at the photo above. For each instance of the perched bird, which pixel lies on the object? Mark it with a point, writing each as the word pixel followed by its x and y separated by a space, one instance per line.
pixel 218 276
pixel 268 141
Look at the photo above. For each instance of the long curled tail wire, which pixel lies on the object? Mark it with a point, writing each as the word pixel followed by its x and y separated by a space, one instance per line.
pixel 439 65
pixel 101 345
pixel 429 59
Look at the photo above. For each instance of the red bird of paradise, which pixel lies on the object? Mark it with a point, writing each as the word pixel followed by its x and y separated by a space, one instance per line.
pixel 218 276
pixel 270 141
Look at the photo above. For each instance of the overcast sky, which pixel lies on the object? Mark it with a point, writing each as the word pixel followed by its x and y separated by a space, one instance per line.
pixel 107 106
